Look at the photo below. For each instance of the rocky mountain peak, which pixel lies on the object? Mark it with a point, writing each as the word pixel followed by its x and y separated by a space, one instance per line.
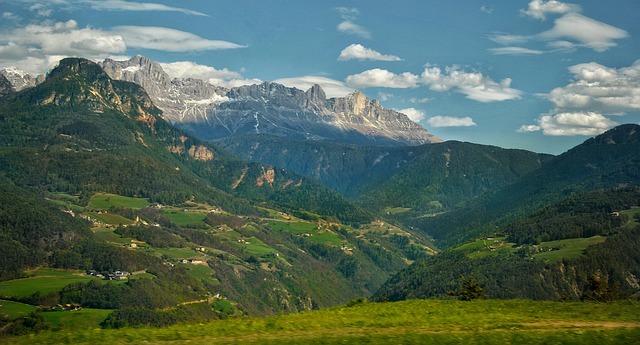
pixel 20 79
pixel 82 68
pixel 317 95
pixel 87 86
pixel 357 103
pixel 142 71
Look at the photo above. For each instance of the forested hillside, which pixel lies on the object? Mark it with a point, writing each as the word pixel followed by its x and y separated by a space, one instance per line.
pixel 609 160
pixel 140 217
pixel 582 248
pixel 417 180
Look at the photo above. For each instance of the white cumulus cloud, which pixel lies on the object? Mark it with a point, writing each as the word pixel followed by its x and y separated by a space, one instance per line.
pixel 539 9
pixel 415 115
pixel 359 52
pixel 595 92
pixel 382 78
pixel 36 48
pixel 595 87
pixel 473 85
pixel 577 123
pixel 450 121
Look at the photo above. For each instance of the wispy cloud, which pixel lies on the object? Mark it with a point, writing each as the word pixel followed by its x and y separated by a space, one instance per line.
pixel 584 31
pixel 219 77
pixel 419 100
pixel 331 87
pixel 348 25
pixel 528 129
pixel 11 17
pixel 515 51
pixel 171 40
pixel 348 13
pixel 450 121
pixel 359 52
pixel 351 28
pixel 486 9
pixel 570 31
pixel 121 5
pixel 45 8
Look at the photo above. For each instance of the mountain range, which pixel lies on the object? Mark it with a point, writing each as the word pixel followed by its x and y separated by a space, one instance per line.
pixel 287 210
pixel 212 112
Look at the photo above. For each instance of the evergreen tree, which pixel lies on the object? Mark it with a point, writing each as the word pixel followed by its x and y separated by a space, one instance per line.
pixel 469 289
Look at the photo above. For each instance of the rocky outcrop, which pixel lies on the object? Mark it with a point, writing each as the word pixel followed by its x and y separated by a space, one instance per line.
pixel 88 86
pixel 5 86
pixel 201 153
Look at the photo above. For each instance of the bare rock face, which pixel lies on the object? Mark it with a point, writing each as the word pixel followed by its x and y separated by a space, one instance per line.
pixel 212 112
pixel 181 100
pixel 5 86
pixel 20 79
pixel 201 153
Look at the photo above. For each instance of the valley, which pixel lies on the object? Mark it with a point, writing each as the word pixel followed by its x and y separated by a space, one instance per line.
pixel 113 210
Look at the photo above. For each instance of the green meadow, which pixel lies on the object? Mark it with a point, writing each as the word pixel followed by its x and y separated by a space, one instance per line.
pixel 566 249
pixel 302 228
pixel 76 320
pixel 43 281
pixel 111 218
pixel 13 309
pixel 408 322
pixel 183 218
pixel 104 201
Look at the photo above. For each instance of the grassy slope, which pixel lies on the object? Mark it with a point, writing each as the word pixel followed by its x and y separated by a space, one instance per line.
pixel 13 309
pixel 43 280
pixel 417 321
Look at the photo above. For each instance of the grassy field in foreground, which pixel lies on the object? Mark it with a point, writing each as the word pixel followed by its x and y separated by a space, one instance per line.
pixel 409 322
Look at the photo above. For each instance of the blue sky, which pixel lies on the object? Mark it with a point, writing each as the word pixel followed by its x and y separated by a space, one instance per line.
pixel 531 74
